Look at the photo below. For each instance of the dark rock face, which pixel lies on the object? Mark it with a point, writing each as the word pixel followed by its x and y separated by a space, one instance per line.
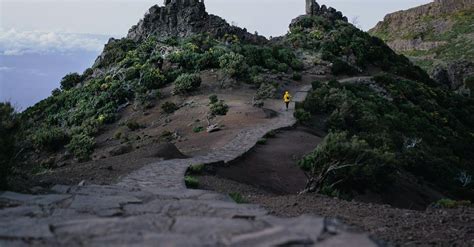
pixel 313 8
pixel 184 18
pixel 453 74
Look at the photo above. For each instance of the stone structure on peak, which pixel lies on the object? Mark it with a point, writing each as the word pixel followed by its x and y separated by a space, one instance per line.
pixel 313 9
pixel 184 18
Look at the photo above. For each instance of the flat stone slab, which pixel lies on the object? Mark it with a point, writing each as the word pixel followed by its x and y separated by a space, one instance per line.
pixel 33 199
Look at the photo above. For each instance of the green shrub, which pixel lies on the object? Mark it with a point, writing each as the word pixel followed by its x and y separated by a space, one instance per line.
pixel 469 82
pixel 118 135
pixel 283 67
pixel 198 129
pixel 266 91
pixel 237 197
pixel 213 99
pixel 297 76
pixel 302 116
pixel 191 182
pixel 115 51
pixel 81 146
pixel 169 107
pixel 166 136
pixel 233 64
pixel 133 125
pixel 8 127
pixel 262 141
pixel 50 138
pixel 196 169
pixel 152 78
pixel 448 203
pixel 186 83
pixel 418 123
pixel 219 109
pixel 271 134
pixel 70 80
pixel 342 68
pixel 344 163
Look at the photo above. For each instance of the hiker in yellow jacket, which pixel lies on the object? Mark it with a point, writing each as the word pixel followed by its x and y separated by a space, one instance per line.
pixel 287 99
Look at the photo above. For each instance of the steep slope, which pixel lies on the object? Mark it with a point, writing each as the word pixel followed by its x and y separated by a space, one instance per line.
pixel 438 36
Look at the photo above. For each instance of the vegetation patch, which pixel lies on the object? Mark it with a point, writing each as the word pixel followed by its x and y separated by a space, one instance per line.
pixel 196 169
pixel 413 127
pixel 237 197
pixel 448 203
pixel 169 107
pixel 217 107
pixel 8 127
pixel 191 182
pixel 262 141
pixel 198 129
pixel 186 83
pixel 82 146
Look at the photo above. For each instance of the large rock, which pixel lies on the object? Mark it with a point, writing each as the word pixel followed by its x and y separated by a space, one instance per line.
pixel 184 18
pixel 453 74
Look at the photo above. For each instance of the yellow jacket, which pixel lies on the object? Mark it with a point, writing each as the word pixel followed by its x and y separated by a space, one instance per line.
pixel 287 97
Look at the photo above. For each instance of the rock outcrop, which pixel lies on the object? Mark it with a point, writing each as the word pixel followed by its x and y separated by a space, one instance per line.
pixel 313 8
pixel 184 18
pixel 453 75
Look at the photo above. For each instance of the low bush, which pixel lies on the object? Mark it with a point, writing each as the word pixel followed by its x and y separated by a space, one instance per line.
pixel 186 83
pixel 233 64
pixel 237 197
pixel 302 116
pixel 70 80
pixel 266 91
pixel 169 107
pixel 152 78
pixel 213 99
pixel 198 129
pixel 469 82
pixel 191 182
pixel 297 76
pixel 262 141
pixel 196 169
pixel 133 125
pixel 448 203
pixel 219 109
pixel 8 127
pixel 81 146
pixel 342 161
pixel 50 138
pixel 428 129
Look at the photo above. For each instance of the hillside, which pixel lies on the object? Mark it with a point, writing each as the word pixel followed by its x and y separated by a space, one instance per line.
pixel 438 36
pixel 127 151
pixel 181 71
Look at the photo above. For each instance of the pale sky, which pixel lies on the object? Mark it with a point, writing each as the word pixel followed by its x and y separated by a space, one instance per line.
pixel 43 24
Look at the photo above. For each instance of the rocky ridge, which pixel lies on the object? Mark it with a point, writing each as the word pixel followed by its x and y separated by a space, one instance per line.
pixel 184 18
pixel 431 35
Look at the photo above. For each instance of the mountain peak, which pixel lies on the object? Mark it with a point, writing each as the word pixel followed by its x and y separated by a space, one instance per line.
pixel 184 18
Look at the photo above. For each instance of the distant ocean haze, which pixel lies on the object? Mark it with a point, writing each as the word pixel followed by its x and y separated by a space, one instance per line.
pixel 26 79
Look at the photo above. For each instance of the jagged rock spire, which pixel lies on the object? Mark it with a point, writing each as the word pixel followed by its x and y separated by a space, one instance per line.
pixel 182 2
pixel 312 7
pixel 184 18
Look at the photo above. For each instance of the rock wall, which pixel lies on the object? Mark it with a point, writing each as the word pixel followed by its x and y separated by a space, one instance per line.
pixel 406 20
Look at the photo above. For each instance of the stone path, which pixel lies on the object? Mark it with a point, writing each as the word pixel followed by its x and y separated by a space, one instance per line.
pixel 152 207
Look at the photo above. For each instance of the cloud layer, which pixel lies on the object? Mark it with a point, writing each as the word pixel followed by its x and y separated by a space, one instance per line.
pixel 13 42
